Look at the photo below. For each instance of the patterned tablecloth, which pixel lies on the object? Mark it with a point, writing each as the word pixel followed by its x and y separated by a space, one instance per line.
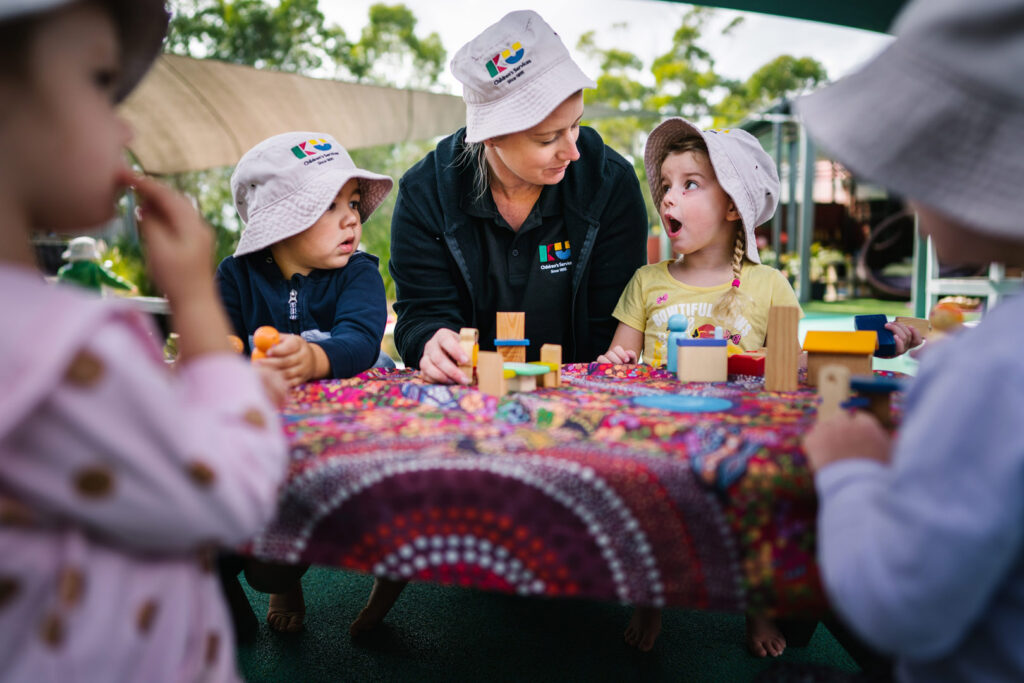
pixel 570 491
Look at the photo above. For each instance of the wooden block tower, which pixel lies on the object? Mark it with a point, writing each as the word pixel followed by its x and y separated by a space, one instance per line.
pixel 510 329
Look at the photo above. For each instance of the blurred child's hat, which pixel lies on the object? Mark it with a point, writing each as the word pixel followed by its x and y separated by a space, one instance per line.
pixel 81 249
pixel 141 27
pixel 513 75
pixel 744 170
pixel 285 183
pixel 938 116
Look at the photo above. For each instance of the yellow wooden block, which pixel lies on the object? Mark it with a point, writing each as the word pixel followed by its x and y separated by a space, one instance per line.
pixel 860 342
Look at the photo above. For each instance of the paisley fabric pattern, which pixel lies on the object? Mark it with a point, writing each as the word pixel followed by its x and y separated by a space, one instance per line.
pixel 569 491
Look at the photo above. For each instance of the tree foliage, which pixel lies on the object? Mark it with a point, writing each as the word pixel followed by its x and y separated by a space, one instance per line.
pixel 287 36
pixel 388 46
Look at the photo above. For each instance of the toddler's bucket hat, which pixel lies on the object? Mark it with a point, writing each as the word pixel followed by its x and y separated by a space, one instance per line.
pixel 513 75
pixel 744 170
pixel 285 183
pixel 938 116
pixel 81 249
pixel 141 27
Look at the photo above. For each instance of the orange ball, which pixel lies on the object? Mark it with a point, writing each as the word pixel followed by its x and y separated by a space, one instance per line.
pixel 264 337
pixel 258 354
pixel 236 343
pixel 946 316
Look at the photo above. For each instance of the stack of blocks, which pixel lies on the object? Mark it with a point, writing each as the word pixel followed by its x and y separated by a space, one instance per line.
pixel 511 342
pixel 499 372
pixel 874 393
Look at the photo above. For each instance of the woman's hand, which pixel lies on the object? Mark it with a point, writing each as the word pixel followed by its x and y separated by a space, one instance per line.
pixel 847 435
pixel 618 356
pixel 442 355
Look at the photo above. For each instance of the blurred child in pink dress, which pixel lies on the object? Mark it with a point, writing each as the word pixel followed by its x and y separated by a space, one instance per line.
pixel 118 478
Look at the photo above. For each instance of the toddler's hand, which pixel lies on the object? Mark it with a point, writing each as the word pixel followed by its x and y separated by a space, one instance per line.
pixel 179 244
pixel 442 356
pixel 618 356
pixel 273 384
pixel 294 358
pixel 906 336
pixel 847 435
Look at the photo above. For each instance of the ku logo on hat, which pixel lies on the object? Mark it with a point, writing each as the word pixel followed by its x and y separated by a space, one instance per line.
pixel 310 147
pixel 506 56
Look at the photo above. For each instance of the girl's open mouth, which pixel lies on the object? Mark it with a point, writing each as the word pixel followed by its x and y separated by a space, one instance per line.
pixel 672 226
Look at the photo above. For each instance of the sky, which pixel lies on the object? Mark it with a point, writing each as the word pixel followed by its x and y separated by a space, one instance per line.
pixel 643 27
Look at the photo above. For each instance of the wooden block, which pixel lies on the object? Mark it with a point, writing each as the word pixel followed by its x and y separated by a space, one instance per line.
pixel 920 324
pixel 783 359
pixel 522 383
pixel 886 346
pixel 702 360
pixel 833 389
pixel 469 338
pixel 858 364
pixel 853 343
pixel 513 354
pixel 510 325
pixel 747 363
pixel 490 372
pixel 552 353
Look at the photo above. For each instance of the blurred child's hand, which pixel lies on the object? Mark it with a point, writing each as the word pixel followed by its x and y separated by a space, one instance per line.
pixel 297 360
pixel 847 435
pixel 442 356
pixel 906 337
pixel 274 385
pixel 618 356
pixel 179 244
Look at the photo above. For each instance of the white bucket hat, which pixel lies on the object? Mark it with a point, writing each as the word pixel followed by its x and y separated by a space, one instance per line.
pixel 141 27
pixel 513 75
pixel 284 184
pixel 938 116
pixel 744 170
pixel 81 249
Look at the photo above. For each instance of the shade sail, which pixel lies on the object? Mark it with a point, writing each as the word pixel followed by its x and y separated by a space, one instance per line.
pixel 872 15
pixel 192 114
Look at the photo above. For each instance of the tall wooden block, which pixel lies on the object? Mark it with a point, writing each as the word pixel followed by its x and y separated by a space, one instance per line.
pixel 552 354
pixel 833 389
pixel 490 372
pixel 469 339
pixel 511 325
pixel 783 359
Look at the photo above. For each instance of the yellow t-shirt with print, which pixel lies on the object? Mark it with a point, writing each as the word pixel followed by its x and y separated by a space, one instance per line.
pixel 653 296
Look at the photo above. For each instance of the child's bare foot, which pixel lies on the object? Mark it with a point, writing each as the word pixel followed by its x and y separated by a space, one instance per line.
pixel 764 637
pixel 287 610
pixel 644 627
pixel 382 597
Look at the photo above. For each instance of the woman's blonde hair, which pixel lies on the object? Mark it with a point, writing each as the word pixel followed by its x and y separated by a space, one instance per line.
pixel 730 305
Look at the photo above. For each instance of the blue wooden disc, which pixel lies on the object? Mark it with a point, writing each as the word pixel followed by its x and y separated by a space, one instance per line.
pixel 679 403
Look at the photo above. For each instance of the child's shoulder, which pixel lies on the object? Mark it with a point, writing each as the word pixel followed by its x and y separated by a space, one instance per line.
pixel 653 271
